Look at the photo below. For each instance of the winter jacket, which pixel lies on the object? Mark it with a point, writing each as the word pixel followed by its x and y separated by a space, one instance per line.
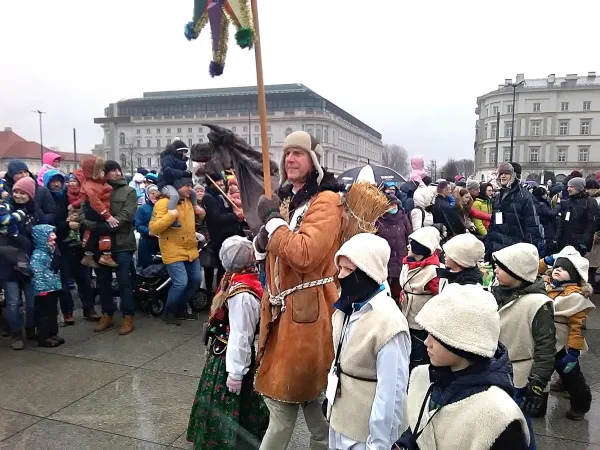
pixel 406 194
pixel 419 282
pixel 491 379
pixel 44 209
pixel 547 217
pixel 10 219
pixel 61 200
pixel 421 215
pixel 148 245
pixel 172 167
pixel 520 222
pixel 395 228
pixel 470 275
pixel 176 244
pixel 485 206
pixel 44 262
pixel 95 189
pixel 578 222
pixel 48 158
pixel 445 213
pixel 25 228
pixel 74 192
pixel 140 188
pixel 123 206
pixel 221 222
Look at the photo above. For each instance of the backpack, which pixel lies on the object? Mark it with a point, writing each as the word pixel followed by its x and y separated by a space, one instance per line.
pixel 422 215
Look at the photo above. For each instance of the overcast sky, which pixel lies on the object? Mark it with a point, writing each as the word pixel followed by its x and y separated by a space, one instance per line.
pixel 411 70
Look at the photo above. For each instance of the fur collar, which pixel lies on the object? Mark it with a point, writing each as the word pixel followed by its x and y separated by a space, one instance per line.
pixel 309 190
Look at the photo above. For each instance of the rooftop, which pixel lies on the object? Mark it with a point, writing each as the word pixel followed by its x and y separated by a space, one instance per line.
pixel 570 81
pixel 229 91
pixel 13 146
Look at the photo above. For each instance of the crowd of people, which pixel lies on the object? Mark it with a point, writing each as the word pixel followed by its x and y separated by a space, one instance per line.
pixel 389 340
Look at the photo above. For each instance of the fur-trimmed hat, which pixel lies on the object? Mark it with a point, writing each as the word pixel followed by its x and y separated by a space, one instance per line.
pixel 368 252
pixel 520 261
pixel 465 250
pixel 303 141
pixel 581 264
pixel 428 237
pixel 464 317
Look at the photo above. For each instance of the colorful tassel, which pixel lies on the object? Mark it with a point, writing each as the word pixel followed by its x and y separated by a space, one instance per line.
pixel 215 69
pixel 190 32
pixel 245 37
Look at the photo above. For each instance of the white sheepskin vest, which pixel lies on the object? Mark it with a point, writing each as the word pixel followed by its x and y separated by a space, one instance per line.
pixel 564 308
pixel 413 284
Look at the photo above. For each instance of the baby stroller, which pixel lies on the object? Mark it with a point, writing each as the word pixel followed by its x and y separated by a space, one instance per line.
pixel 152 286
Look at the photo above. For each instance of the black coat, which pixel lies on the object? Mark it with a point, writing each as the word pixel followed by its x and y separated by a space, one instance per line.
pixel 520 221
pixel 44 208
pixel 547 219
pixel 172 167
pixel 445 213
pixel 578 222
pixel 221 222
pixel 6 271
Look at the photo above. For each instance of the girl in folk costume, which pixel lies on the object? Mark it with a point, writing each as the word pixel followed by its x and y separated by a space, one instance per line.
pixel 468 381
pixel 568 286
pixel 526 326
pixel 419 282
pixel 227 413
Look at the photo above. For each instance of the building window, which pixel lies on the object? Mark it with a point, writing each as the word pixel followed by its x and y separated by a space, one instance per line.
pixel 157 130
pixel 561 155
pixel 537 107
pixel 256 141
pixel 535 128
pixel 190 130
pixel 148 143
pixel 256 128
pixel 201 140
pixel 563 128
pixel 585 127
pixel 158 143
pixel 269 141
pixel 179 130
pixel 122 138
pixel 190 142
pixel 245 128
pixel 326 135
pixel 493 136
pixel 138 131
pixel 268 127
pixel 484 155
pixel 138 143
pixel 564 106
pixel 487 111
pixel 149 162
pixel 309 131
pixel 509 109
pixel 319 135
pixel 288 131
pixel 508 129
pixel 492 156
pixel 168 131
pixel 534 154
pixel 583 154
pixel 587 105
pixel 168 141
pixel 494 110
pixel 139 161
pixel 506 154
pixel 123 161
pixel 147 130
pixel 233 129
pixel 485 135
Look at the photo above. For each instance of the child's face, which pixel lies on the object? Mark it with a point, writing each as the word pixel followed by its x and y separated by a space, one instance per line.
pixel 234 189
pixel 153 196
pixel 346 267
pixel 73 182
pixel 439 355
pixel 450 264
pixel 52 239
pixel 415 256
pixel 560 274
pixel 56 163
pixel 505 279
pixel 21 197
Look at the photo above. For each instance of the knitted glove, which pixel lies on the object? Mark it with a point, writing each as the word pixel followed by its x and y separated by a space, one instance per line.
pixel 267 209
pixel 570 360
pixel 261 240
pixel 532 400
pixel 549 260
pixel 234 386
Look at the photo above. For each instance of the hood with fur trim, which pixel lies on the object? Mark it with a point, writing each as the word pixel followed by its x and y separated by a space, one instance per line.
pixel 92 168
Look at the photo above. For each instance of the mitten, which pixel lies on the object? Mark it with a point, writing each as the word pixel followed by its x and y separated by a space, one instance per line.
pixel 234 386
pixel 267 209
pixel 532 401
pixel 570 360
pixel 261 240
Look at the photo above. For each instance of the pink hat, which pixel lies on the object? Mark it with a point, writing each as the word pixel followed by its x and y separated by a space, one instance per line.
pixel 598 175
pixel 27 185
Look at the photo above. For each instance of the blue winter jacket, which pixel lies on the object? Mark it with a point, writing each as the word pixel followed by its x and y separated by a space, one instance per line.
pixel 148 245
pixel 44 278
pixel 172 167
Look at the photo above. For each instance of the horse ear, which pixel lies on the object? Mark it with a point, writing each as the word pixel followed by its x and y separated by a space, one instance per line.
pixel 202 152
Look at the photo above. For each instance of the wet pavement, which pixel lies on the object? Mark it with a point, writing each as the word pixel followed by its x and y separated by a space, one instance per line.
pixel 105 391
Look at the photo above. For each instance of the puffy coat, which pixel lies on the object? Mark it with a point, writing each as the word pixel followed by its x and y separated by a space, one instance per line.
pixel 445 213
pixel 221 222
pixel 484 205
pixel 520 222
pixel 421 215
pixel 148 245
pixel 172 166
pixel 45 277
pixel 47 160
pixel 140 187
pixel 25 226
pixel 395 228
pixel 578 222
pixel 44 209
pixel 74 192
pixel 95 189
pixel 61 201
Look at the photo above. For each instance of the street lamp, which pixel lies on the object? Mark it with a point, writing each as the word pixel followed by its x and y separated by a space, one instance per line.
pixel 512 130
pixel 37 111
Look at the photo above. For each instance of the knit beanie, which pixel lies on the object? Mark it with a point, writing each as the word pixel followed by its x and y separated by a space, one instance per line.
pixel 151 178
pixel 591 184
pixel 465 250
pixel 472 185
pixel 178 183
pixel 110 165
pixel 464 317
pixel 369 253
pixel 578 183
pixel 574 263
pixel 15 166
pixel 428 237
pixel 539 192
pixel 521 261
pixel 27 185
pixel 303 141
pixel 236 254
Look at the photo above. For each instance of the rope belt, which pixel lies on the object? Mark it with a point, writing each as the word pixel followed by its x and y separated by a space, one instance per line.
pixel 279 299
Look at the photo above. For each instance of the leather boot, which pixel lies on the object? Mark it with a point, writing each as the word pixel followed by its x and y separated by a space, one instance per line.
pixel 105 323
pixel 88 260
pixel 91 315
pixel 126 325
pixel 107 260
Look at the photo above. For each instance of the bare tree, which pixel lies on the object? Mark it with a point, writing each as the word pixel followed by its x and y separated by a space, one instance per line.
pixel 466 167
pixel 431 169
pixel 450 170
pixel 395 157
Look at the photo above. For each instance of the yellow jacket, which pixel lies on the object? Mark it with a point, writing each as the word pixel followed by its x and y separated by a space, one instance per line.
pixel 176 244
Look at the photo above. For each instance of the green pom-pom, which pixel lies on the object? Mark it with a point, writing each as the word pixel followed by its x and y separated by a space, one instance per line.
pixel 244 37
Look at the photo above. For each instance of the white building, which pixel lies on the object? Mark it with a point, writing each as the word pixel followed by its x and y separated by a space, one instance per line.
pixel 557 126
pixel 137 130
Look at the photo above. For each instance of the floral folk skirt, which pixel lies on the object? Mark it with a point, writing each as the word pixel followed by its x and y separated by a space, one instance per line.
pixel 223 420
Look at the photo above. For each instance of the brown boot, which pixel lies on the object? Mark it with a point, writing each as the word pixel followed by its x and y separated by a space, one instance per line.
pixel 127 325
pixel 88 260
pixel 107 260
pixel 105 323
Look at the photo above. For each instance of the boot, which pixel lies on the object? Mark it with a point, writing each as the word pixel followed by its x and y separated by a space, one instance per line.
pixel 107 260
pixel 105 323
pixel 17 342
pixel 68 319
pixel 557 386
pixel 127 325
pixel 575 415
pixel 91 315
pixel 88 260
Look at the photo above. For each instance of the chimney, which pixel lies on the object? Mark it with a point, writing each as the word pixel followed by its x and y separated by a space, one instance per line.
pixel 7 129
pixel 571 76
pixel 501 86
pixel 508 81
pixel 551 78
pixel 591 74
pixel 520 77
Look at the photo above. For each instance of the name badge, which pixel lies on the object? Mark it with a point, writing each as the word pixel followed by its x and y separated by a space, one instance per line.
pixel 332 386
pixel 567 216
pixel 499 218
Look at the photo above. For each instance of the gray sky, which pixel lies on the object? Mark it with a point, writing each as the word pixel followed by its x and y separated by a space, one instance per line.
pixel 411 70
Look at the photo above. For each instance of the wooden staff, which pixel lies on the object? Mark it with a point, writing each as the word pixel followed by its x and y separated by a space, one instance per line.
pixel 221 190
pixel 262 103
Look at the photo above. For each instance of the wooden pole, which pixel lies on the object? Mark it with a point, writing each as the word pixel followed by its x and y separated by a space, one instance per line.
pixel 221 190
pixel 262 104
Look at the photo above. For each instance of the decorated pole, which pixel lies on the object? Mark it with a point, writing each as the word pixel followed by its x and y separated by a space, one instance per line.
pixel 262 103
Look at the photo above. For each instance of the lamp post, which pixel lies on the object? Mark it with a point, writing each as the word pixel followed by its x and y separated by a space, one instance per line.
pixel 512 131
pixel 37 111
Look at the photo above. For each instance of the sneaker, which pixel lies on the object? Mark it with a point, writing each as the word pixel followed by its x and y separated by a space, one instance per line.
pixel 171 320
pixel 187 316
pixel 575 415
pixel 68 319
pixel 17 344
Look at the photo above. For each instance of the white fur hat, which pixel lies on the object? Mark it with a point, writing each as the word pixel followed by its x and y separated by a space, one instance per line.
pixel 519 260
pixel 581 264
pixel 303 141
pixel 427 236
pixel 368 252
pixel 464 317
pixel 465 250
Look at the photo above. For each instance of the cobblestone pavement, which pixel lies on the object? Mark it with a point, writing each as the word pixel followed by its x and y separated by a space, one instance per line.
pixel 105 391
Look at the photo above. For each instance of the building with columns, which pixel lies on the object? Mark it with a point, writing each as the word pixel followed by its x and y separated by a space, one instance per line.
pixel 557 126
pixel 137 130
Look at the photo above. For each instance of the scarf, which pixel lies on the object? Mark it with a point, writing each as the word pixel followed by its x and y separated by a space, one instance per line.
pixel 357 288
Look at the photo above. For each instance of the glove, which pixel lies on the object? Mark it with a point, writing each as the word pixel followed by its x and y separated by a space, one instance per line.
pixel 570 360
pixel 234 386
pixel 267 209
pixel 549 260
pixel 261 240
pixel 583 249
pixel 532 400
